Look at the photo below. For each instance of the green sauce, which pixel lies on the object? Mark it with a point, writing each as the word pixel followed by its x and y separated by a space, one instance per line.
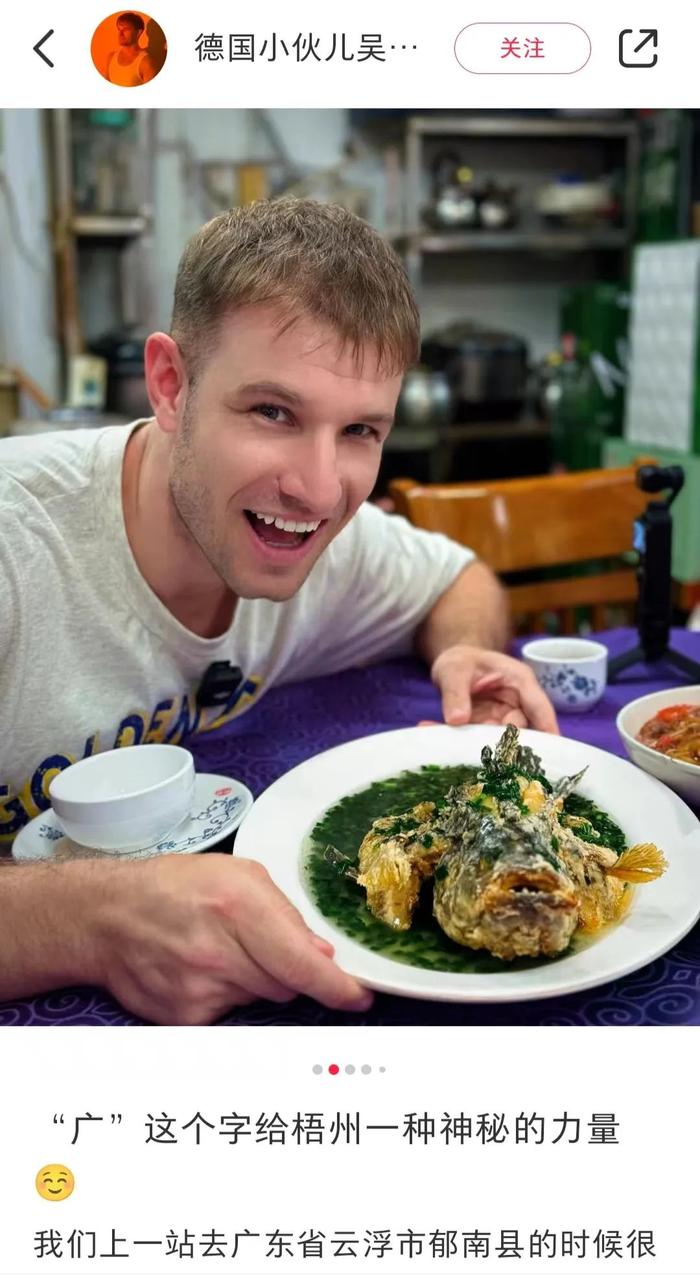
pixel 504 785
pixel 343 902
pixel 601 828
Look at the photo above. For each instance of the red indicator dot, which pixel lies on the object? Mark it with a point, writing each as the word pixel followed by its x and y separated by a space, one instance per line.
pixel 334 1069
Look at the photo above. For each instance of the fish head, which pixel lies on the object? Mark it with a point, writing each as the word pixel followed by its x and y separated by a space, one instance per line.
pixel 519 902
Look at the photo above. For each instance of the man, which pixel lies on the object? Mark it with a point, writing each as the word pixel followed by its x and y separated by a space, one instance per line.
pixel 230 527
pixel 129 65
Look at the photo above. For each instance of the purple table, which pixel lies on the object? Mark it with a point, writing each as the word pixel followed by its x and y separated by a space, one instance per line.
pixel 292 723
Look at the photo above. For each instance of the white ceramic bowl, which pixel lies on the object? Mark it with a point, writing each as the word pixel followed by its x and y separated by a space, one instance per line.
pixel 572 671
pixel 681 777
pixel 123 800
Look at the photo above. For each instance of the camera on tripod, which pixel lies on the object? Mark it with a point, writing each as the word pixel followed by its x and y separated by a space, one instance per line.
pixel 652 539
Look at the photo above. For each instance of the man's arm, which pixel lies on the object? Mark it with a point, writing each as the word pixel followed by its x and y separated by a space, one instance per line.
pixel 148 70
pixel 178 938
pixel 473 610
pixel 48 937
pixel 462 639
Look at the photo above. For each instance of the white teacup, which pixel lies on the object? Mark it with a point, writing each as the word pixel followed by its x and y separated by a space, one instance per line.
pixel 123 800
pixel 572 671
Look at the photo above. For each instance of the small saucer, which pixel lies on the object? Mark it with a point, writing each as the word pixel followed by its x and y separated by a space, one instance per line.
pixel 218 808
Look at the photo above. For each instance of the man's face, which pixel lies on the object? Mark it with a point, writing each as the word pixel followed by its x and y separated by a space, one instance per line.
pixel 279 428
pixel 128 35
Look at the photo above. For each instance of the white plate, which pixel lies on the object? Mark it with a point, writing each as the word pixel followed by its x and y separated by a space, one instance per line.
pixel 218 807
pixel 661 913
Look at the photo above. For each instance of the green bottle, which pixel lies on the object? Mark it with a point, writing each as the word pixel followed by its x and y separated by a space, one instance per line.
pixel 577 441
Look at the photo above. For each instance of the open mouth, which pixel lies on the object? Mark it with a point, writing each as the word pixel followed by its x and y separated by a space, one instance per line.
pixel 282 533
pixel 538 887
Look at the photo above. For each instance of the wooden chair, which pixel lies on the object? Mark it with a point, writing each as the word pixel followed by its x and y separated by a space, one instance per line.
pixel 527 525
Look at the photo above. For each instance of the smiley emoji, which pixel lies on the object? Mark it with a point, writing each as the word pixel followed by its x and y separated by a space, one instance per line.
pixel 54 1182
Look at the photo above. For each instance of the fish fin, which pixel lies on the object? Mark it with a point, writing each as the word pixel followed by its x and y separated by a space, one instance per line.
pixel 566 785
pixel 504 753
pixel 527 762
pixel 639 864
pixel 506 750
pixel 343 865
pixel 508 753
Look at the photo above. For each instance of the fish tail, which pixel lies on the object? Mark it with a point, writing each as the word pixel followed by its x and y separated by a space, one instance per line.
pixel 639 864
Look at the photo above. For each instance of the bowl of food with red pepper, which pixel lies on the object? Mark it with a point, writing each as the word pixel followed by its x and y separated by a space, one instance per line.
pixel 661 734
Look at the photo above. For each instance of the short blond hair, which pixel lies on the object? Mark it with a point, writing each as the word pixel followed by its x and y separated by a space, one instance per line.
pixel 313 259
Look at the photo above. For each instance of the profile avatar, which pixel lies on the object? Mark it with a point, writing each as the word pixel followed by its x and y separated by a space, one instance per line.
pixel 129 49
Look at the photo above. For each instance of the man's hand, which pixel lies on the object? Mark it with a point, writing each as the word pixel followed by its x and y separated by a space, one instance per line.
pixel 479 686
pixel 183 939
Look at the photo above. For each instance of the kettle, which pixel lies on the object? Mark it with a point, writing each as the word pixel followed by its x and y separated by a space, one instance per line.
pixel 455 203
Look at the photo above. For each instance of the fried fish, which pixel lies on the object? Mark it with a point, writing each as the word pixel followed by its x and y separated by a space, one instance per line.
pixel 395 858
pixel 512 872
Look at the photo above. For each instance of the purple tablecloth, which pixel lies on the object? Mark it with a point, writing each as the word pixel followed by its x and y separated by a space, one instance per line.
pixel 292 723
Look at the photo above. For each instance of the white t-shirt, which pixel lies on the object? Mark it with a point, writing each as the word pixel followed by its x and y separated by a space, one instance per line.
pixel 90 657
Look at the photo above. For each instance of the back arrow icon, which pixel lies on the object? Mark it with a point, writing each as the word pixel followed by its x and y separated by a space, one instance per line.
pixel 38 50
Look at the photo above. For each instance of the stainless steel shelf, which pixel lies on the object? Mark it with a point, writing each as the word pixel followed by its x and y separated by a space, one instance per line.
pixel 111 226
pixel 420 243
pixel 497 126
pixel 562 240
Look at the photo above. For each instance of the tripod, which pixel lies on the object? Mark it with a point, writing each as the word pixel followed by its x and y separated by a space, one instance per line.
pixel 639 653
pixel 652 540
